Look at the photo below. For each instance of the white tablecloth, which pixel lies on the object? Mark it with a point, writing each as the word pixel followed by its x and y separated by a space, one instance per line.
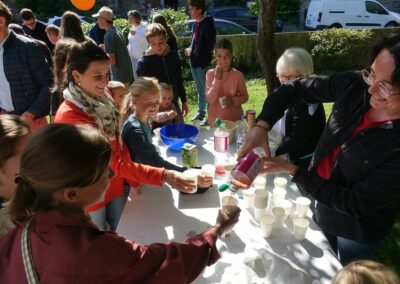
pixel 161 214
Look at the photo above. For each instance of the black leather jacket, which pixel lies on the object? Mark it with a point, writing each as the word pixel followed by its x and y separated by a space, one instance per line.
pixel 361 198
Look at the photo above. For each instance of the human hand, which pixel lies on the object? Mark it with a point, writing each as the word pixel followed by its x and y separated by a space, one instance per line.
pixel 188 51
pixel 278 165
pixel 178 181
pixel 257 137
pixel 185 109
pixel 218 73
pixel 204 180
pixel 226 221
pixel 171 114
pixel 28 117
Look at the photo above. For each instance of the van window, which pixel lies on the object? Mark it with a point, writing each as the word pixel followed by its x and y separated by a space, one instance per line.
pixel 375 8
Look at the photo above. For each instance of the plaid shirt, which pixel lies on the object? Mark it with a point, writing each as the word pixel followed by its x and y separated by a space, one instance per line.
pixel 28 74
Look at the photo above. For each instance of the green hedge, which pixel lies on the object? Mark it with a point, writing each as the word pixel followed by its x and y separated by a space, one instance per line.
pixel 247 60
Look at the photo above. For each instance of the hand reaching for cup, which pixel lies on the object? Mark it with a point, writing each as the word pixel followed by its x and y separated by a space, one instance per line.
pixel 171 114
pixel 204 181
pixel 226 221
pixel 177 180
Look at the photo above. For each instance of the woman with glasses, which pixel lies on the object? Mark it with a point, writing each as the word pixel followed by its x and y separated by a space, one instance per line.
pixel 302 124
pixel 354 174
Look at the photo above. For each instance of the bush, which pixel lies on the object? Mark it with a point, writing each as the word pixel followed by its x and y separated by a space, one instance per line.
pixel 123 26
pixel 175 19
pixel 338 42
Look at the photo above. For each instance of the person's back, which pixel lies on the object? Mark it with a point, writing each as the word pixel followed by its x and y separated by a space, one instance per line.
pixel 65 169
pixel 115 47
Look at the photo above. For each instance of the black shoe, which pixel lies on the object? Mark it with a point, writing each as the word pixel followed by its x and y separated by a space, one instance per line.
pixel 204 122
pixel 198 116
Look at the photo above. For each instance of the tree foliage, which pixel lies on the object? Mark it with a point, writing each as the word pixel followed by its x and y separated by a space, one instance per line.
pixel 175 19
pixel 43 9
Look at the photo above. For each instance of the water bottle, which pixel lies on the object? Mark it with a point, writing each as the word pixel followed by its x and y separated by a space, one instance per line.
pixel 221 137
pixel 241 132
pixel 221 146
pixel 247 169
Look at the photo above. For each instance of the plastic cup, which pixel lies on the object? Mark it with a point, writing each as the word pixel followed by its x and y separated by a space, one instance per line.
pixel 222 101
pixel 266 223
pixel 208 170
pixel 280 182
pixel 260 182
pixel 303 203
pixel 287 205
pixel 196 123
pixel 248 197
pixel 279 214
pixel 278 195
pixel 300 226
pixel 260 198
pixel 229 203
pixel 192 174
pixel 258 212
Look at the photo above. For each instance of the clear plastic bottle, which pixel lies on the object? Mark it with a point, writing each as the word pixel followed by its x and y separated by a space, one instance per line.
pixel 221 137
pixel 221 146
pixel 241 132
pixel 247 169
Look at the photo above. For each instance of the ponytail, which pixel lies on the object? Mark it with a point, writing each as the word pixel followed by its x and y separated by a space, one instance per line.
pixel 126 110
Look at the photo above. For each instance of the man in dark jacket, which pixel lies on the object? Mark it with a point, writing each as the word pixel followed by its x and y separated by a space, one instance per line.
pixel 34 28
pixel 201 52
pixel 354 174
pixel 25 76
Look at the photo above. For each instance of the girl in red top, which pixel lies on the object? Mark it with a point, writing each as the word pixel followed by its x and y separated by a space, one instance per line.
pixel 65 169
pixel 86 101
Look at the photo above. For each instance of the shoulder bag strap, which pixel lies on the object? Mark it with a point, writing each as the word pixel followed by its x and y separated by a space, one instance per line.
pixel 27 256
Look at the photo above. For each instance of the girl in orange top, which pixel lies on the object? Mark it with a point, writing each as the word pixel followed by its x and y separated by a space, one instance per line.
pixel 87 102
pixel 225 86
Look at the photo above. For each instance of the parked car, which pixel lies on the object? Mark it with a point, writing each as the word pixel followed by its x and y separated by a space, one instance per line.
pixel 354 14
pixel 57 20
pixel 222 27
pixel 240 16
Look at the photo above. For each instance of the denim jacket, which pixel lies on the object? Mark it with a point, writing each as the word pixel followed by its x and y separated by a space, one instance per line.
pixel 361 198
pixel 28 74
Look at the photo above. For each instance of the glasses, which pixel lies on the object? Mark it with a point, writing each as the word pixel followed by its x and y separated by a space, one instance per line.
pixel 383 90
pixel 283 77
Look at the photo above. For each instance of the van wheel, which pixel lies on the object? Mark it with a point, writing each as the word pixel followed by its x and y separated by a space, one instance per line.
pixel 391 25
pixel 336 26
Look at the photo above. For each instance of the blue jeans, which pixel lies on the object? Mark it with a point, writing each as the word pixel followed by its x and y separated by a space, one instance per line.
pixel 199 77
pixel 111 213
pixel 348 250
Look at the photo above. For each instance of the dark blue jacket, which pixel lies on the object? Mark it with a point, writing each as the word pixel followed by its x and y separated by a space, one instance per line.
pixel 203 46
pixel 165 68
pixel 28 74
pixel 302 132
pixel 361 198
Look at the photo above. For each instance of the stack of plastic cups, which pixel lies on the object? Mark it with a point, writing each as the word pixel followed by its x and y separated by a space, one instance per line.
pixel 278 193
pixel 260 203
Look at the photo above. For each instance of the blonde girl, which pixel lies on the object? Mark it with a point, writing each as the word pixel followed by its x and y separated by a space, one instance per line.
pixel 141 103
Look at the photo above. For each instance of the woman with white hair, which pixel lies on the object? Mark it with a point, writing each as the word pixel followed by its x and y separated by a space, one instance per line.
pixel 302 124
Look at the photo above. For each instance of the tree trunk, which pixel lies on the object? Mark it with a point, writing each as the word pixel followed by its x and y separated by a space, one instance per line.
pixel 265 41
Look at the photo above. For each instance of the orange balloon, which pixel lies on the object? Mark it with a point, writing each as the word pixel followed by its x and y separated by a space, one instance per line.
pixel 83 5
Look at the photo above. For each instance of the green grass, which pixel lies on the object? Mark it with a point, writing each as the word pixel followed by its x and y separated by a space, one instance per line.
pixel 389 251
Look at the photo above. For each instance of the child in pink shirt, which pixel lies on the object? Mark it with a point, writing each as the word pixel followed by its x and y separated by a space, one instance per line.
pixel 225 86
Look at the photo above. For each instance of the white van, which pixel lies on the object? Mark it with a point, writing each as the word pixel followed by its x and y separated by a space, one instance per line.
pixel 350 14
